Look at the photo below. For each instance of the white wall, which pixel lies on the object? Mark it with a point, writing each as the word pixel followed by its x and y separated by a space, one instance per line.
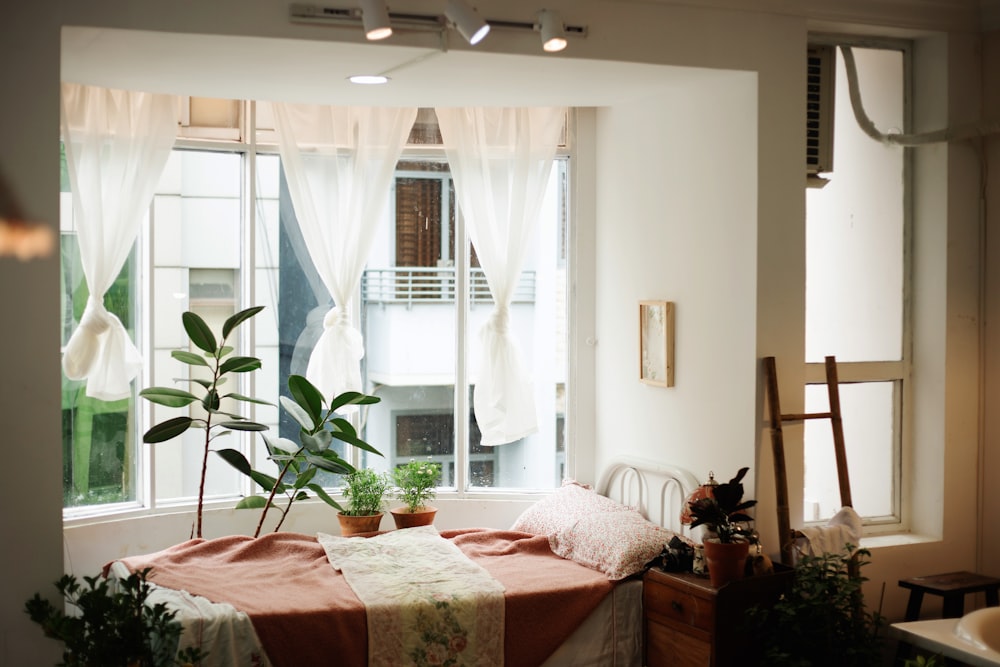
pixel 750 307
pixel 677 220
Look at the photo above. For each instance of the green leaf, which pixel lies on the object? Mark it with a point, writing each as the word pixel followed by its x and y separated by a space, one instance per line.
pixel 301 495
pixel 172 398
pixel 341 425
pixel 265 481
pixel 225 351
pixel 235 320
pixel 352 398
pixel 198 332
pixel 280 444
pixel 305 477
pixel 207 384
pixel 315 442
pixel 307 396
pixel 239 365
pixel 243 426
pixel 297 413
pixel 236 459
pixel 211 401
pixel 189 358
pixel 338 466
pixel 247 399
pixel 357 442
pixel 324 496
pixel 252 503
pixel 167 430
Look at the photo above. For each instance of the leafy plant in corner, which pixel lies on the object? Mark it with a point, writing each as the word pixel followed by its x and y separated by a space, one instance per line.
pixel 723 512
pixel 298 463
pixel 114 627
pixel 216 360
pixel 822 620
pixel 415 483
pixel 365 491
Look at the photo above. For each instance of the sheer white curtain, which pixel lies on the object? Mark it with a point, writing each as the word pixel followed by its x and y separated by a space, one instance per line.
pixel 501 159
pixel 117 143
pixel 339 163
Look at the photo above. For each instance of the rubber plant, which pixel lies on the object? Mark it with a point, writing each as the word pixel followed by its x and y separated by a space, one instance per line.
pixel 298 463
pixel 218 360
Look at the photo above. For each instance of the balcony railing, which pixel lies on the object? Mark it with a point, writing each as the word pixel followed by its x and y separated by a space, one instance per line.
pixel 418 284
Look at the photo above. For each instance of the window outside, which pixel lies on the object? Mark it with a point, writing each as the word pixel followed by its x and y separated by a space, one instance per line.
pixel 856 286
pixel 420 306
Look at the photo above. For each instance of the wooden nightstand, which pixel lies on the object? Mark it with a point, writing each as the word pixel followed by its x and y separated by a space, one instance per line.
pixel 688 623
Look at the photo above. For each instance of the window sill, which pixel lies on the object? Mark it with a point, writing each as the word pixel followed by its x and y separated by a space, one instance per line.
pixel 887 540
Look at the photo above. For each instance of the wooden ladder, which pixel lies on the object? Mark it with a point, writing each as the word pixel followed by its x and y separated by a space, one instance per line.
pixel 786 535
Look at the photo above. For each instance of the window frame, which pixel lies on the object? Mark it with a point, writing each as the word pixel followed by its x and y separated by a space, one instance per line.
pixel 249 141
pixel 900 372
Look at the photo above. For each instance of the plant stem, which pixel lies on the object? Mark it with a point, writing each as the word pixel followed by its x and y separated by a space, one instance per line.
pixel 270 497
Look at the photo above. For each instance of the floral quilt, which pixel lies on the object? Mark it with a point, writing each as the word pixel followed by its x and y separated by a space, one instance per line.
pixel 426 602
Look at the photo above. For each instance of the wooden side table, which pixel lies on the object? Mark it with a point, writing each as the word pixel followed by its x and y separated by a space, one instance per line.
pixel 689 623
pixel 953 587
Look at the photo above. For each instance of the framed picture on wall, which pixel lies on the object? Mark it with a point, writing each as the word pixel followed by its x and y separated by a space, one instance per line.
pixel 656 343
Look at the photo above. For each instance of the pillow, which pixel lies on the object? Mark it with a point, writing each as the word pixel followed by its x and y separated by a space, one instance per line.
pixel 571 502
pixel 619 544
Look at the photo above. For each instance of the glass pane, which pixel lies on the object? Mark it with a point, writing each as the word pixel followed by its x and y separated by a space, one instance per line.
pixel 538 322
pixel 99 463
pixel 196 263
pixel 854 226
pixel 868 410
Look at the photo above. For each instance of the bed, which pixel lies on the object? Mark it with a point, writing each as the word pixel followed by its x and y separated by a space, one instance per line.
pixel 561 587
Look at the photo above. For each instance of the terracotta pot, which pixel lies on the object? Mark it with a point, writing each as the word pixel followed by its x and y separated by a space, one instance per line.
pixel 404 518
pixel 726 561
pixel 353 525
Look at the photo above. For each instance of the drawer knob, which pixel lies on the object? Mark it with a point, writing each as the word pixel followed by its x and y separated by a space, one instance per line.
pixel 676 606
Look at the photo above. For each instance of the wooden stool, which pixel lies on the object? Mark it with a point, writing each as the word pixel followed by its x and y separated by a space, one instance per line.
pixel 953 587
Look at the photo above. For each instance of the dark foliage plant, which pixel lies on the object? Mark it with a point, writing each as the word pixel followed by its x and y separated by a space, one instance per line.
pixel 114 625
pixel 822 621
pixel 724 512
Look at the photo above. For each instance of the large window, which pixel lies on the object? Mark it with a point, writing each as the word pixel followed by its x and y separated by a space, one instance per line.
pixel 222 236
pixel 857 286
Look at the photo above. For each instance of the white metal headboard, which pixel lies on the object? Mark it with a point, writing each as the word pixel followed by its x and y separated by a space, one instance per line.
pixel 655 489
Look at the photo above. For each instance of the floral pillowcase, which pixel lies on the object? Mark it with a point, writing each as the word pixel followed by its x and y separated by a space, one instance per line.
pixel 595 531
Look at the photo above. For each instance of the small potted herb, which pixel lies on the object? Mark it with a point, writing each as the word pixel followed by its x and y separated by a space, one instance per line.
pixel 365 491
pixel 723 514
pixel 416 483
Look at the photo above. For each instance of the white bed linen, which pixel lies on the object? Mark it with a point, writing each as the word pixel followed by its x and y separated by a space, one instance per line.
pixel 610 637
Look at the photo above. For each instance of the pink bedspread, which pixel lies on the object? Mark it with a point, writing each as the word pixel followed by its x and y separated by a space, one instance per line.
pixel 305 613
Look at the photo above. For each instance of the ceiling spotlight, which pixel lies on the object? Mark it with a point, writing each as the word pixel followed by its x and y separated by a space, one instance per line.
pixel 375 18
pixel 467 21
pixel 368 79
pixel 553 32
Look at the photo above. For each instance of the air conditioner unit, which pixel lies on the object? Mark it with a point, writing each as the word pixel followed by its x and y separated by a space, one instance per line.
pixel 820 88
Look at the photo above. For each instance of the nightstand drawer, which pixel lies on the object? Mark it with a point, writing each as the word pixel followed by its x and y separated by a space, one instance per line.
pixel 678 605
pixel 667 647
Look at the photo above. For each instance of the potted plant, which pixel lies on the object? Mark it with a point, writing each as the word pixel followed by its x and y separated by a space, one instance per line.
pixel 113 626
pixel 216 363
pixel 298 463
pixel 723 514
pixel 822 619
pixel 416 483
pixel 365 491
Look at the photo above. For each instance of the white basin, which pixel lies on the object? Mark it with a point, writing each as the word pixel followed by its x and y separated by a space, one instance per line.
pixel 973 639
pixel 981 628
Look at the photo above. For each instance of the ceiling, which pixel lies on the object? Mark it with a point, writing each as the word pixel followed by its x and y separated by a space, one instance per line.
pixel 316 71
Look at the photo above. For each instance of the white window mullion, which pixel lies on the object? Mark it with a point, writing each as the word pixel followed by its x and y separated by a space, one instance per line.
pixel 462 408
